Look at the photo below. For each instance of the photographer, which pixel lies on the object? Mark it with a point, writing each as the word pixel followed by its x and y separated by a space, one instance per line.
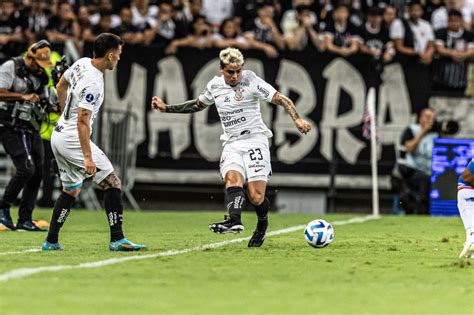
pixel 414 163
pixel 22 81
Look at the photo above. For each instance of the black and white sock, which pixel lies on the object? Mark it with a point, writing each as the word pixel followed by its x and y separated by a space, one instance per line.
pixel 114 210
pixel 262 210
pixel 61 210
pixel 235 202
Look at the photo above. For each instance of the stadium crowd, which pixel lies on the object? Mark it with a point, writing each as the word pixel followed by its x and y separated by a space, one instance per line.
pixel 380 29
pixel 433 36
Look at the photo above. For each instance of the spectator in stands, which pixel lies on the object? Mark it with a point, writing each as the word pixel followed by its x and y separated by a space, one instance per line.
pixel 200 37
pixel 217 11
pixel 439 19
pixel 264 34
pixel 11 30
pixel 144 13
pixel 341 35
pixel 104 26
pixel 104 6
pixel 389 15
pixel 130 33
pixel 185 16
pixel 290 21
pixel 469 7
pixel 38 16
pixel 191 9
pixel 83 18
pixel 375 39
pixel 455 46
pixel 247 10
pixel 64 26
pixel 162 30
pixel 413 37
pixel 414 163
pixel 306 30
pixel 229 36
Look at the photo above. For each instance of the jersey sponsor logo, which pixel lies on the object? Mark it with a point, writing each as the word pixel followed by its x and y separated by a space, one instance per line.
pixel 227 99
pixel 263 90
pixel 258 170
pixel 89 97
pixel 215 86
pixel 234 122
pixel 244 83
pixel 239 94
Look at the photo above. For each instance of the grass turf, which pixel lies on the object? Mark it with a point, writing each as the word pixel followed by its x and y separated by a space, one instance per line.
pixel 398 265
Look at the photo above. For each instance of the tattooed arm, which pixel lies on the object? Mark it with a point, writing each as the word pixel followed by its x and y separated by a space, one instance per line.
pixel 191 106
pixel 280 99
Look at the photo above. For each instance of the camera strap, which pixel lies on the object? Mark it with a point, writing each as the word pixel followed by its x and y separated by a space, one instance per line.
pixel 22 72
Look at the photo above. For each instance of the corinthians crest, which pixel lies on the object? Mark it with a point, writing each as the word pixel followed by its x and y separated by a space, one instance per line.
pixel 239 94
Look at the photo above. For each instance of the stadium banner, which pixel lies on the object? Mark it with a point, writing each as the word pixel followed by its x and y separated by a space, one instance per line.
pixel 329 92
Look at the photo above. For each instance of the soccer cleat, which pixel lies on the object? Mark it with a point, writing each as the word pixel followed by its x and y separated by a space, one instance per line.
pixel 29 226
pixel 6 221
pixel 468 250
pixel 259 234
pixel 51 246
pixel 125 246
pixel 226 226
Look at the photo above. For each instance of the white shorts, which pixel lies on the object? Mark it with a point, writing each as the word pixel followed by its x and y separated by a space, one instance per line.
pixel 249 156
pixel 68 153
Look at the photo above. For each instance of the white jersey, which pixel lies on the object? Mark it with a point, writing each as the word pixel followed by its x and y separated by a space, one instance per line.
pixel 239 106
pixel 86 90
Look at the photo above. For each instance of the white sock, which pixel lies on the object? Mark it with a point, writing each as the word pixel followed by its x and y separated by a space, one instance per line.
pixel 466 210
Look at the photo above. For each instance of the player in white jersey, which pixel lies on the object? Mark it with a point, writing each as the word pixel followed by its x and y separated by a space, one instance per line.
pixel 80 95
pixel 466 208
pixel 245 155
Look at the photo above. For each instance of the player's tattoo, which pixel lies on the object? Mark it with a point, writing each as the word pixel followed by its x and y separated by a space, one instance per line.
pixel 284 101
pixel 111 181
pixel 191 106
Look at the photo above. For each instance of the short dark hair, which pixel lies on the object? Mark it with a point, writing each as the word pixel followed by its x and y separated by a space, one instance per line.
pixel 455 13
pixel 105 42
pixel 375 11
pixel 414 3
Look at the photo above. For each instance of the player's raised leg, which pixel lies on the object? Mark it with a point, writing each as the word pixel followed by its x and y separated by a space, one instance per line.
pixel 114 210
pixel 466 209
pixel 235 202
pixel 256 193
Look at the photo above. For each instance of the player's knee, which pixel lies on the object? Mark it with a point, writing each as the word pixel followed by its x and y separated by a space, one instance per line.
pixel 233 179
pixel 256 197
pixel 26 172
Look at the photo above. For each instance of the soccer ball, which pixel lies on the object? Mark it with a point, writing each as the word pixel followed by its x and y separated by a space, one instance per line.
pixel 318 233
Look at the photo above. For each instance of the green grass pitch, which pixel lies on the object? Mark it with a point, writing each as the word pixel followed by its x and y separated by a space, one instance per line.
pixel 395 265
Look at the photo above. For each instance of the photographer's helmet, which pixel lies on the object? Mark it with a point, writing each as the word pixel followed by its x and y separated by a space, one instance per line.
pixel 41 53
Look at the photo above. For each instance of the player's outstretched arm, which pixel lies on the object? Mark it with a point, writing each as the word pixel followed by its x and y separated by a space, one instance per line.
pixel 190 106
pixel 280 99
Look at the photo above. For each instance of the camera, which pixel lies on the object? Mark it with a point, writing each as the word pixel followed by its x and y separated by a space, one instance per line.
pixel 58 70
pixel 446 127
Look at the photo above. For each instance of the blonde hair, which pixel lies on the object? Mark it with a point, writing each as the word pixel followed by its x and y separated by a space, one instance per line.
pixel 231 56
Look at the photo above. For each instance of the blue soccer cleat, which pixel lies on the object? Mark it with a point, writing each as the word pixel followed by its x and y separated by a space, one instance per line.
pixel 51 246
pixel 125 245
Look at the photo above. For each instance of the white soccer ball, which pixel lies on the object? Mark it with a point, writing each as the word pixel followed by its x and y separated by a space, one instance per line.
pixel 319 233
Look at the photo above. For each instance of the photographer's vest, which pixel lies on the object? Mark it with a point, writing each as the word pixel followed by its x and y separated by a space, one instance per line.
pixel 25 83
pixel 420 159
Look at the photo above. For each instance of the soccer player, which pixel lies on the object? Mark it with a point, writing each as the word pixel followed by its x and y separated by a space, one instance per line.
pixel 80 95
pixel 466 208
pixel 245 156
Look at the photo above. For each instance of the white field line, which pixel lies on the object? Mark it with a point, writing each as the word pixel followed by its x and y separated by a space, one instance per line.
pixel 25 272
pixel 31 250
